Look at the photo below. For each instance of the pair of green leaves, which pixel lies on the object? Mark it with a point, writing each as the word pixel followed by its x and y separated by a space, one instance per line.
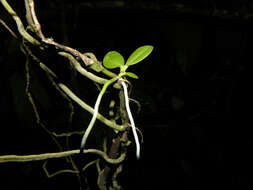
pixel 114 59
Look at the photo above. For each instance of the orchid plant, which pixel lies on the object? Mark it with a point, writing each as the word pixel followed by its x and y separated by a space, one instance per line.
pixel 112 60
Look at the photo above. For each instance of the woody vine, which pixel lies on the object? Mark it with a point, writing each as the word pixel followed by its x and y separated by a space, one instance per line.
pixel 33 43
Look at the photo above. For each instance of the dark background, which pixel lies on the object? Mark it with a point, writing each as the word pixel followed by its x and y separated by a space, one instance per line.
pixel 194 91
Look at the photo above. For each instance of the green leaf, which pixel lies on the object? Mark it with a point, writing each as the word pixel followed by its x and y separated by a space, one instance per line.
pixel 113 59
pixel 132 75
pixel 139 54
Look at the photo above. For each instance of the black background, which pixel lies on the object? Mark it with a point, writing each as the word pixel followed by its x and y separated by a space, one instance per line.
pixel 194 90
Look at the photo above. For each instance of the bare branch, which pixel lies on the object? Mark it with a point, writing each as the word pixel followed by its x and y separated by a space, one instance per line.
pixel 107 122
pixel 19 23
pixel 81 103
pixel 81 70
pixel 32 18
pixel 7 27
pixel 45 156
pixel 33 21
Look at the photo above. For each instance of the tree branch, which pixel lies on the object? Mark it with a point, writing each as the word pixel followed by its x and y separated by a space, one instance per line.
pixel 19 23
pixel 45 156
pixel 90 109
pixel 33 21
pixel 81 103
pixel 81 70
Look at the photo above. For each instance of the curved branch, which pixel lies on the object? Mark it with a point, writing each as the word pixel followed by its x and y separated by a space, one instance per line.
pixel 19 23
pixel 81 70
pixel 34 23
pixel 45 156
pixel 90 109
pixel 81 103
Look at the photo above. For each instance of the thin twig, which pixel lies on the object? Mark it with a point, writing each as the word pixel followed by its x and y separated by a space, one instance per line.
pixel 58 172
pixel 8 28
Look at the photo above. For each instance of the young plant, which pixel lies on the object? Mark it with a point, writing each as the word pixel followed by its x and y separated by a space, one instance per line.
pixel 112 60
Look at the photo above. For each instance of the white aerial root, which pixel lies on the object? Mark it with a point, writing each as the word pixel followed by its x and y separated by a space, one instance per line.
pixel 131 118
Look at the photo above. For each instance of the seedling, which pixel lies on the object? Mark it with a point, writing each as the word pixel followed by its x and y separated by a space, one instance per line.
pixel 112 60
